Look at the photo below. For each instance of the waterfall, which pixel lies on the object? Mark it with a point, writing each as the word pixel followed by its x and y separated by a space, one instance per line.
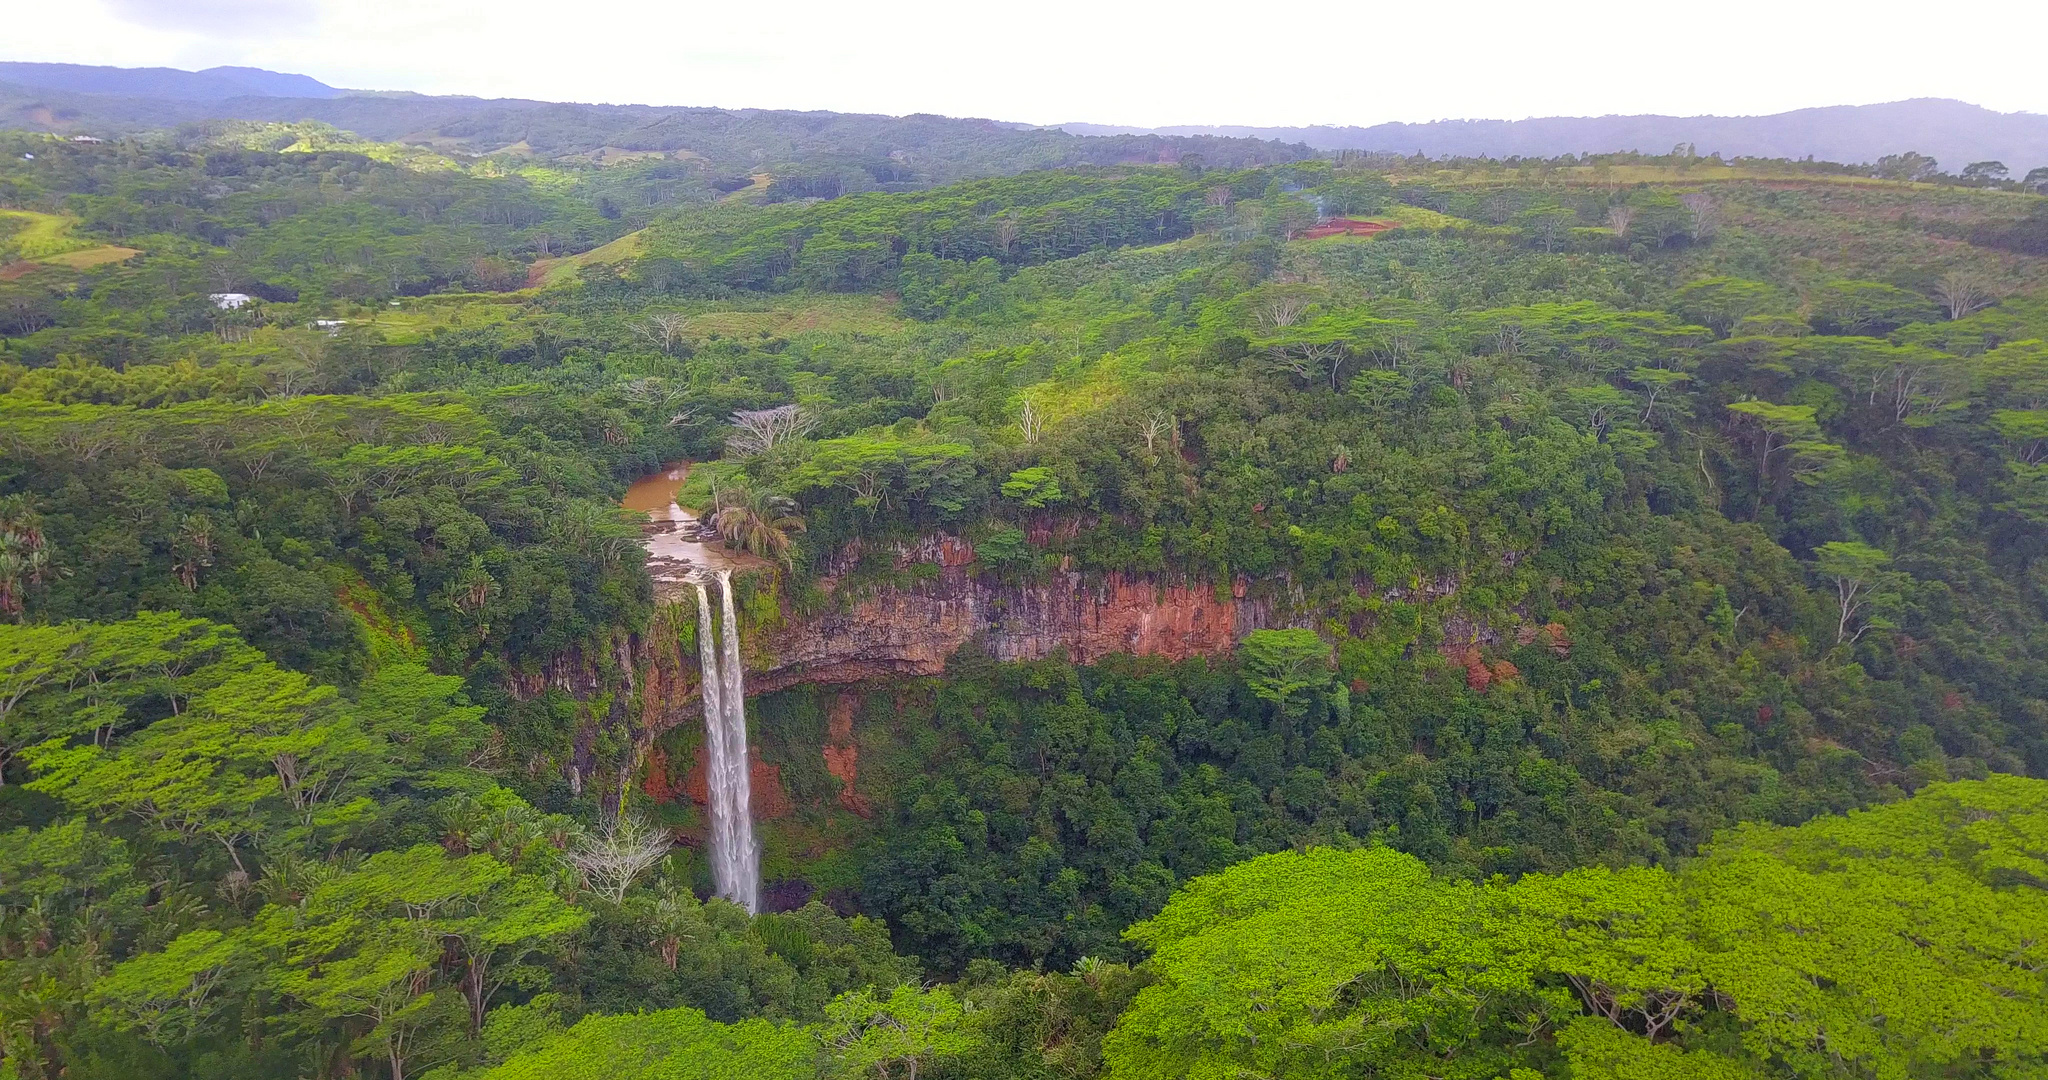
pixel 735 861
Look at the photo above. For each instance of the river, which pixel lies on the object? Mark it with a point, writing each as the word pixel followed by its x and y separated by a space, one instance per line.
pixel 681 562
pixel 675 540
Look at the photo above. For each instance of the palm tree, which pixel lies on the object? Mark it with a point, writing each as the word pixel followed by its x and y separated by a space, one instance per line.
pixel 757 521
pixel 24 554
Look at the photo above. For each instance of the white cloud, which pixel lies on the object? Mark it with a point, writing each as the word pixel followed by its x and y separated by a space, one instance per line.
pixel 1317 61
pixel 257 19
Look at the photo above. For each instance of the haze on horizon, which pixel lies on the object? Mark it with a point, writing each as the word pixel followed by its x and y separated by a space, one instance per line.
pixel 1056 61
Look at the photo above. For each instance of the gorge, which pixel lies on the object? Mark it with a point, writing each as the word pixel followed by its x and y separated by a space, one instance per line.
pixel 1615 591
pixel 735 860
pixel 678 558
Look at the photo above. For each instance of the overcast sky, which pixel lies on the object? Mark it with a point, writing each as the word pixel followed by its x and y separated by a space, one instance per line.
pixel 1052 61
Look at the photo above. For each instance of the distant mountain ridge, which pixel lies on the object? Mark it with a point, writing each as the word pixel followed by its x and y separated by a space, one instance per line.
pixel 1954 132
pixel 212 84
pixel 109 100
pixel 840 151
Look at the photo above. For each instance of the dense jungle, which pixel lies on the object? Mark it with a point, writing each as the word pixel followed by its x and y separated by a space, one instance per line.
pixel 1211 610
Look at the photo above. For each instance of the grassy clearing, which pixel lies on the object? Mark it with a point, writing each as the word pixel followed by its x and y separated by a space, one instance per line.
pixel 87 258
pixel 561 271
pixel 756 192
pixel 43 236
pixel 45 239
pixel 415 319
pixel 852 313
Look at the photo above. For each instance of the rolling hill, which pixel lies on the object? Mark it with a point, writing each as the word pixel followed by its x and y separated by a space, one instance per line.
pixel 1953 132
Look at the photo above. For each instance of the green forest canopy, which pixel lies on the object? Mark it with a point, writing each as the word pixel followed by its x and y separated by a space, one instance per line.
pixel 1653 552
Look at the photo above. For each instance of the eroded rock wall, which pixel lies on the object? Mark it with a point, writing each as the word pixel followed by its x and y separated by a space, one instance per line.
pixel 911 630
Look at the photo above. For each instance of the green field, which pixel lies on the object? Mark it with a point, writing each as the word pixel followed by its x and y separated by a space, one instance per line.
pixel 46 238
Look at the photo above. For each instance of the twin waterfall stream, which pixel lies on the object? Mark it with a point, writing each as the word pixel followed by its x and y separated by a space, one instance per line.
pixel 735 861
pixel 679 559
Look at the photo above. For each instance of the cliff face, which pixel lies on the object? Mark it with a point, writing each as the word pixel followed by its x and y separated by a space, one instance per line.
pixel 895 632
pixel 912 630
pixel 908 630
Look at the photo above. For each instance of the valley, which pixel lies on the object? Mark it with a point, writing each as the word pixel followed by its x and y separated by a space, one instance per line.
pixel 1139 612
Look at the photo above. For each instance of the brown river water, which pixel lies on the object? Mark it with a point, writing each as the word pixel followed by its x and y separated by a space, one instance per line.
pixel 676 548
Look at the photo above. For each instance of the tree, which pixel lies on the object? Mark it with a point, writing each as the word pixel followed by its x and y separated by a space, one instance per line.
pixel 1909 166
pixel 2017 373
pixel 880 471
pixel 1860 579
pixel 1598 406
pixel 1963 292
pixel 1916 382
pixel 1719 303
pixel 1619 217
pixel 1703 214
pixel 1548 223
pixel 169 995
pixel 1768 956
pixel 265 754
pixel 757 521
pixel 25 556
pixel 1381 391
pixel 2037 180
pixel 78 678
pixel 674 1044
pixel 1282 306
pixel 869 1033
pixel 1401 971
pixel 1035 487
pixel 2025 432
pixel 1925 912
pixel 757 431
pixel 1866 308
pixel 1281 665
pixel 1320 348
pixel 1984 173
pixel 1660 382
pixel 1030 422
pixel 935 288
pixel 1156 425
pixel 1785 430
pixel 366 943
pixel 618 851
pixel 32 658
pixel 664 329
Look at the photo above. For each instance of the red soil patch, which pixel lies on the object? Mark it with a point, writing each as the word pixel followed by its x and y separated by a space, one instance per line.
pixel 1344 227
pixel 842 753
pixel 764 780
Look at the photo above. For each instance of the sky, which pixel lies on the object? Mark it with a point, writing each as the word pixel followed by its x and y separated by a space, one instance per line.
pixel 1056 61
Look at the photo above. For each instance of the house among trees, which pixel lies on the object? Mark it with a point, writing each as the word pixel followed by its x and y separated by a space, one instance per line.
pixel 229 301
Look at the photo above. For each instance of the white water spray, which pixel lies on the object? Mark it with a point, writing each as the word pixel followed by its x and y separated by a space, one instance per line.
pixel 735 861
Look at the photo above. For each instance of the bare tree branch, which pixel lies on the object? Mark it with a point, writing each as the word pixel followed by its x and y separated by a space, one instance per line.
pixel 619 850
pixel 761 430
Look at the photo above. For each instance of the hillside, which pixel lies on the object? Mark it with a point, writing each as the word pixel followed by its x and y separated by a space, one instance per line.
pixel 1952 132
pixel 211 85
pixel 924 149
pixel 511 617
pixel 832 152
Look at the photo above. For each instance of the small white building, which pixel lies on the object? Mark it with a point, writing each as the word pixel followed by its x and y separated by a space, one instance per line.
pixel 229 301
pixel 329 325
pixel 86 139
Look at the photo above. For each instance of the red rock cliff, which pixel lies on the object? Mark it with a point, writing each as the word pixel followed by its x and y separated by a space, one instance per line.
pixel 911 631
